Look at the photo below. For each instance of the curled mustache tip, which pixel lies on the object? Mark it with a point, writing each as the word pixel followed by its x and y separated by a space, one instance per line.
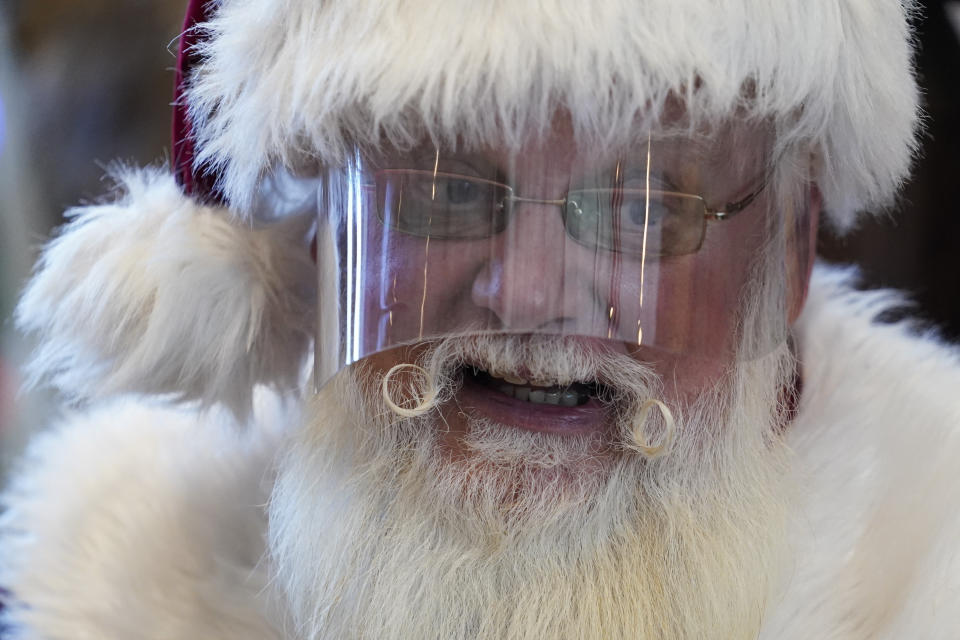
pixel 641 442
pixel 424 394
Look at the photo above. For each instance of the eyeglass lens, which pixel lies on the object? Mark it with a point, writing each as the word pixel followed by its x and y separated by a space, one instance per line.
pixel 453 206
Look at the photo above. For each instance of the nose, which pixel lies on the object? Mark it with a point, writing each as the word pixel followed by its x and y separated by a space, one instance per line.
pixel 523 281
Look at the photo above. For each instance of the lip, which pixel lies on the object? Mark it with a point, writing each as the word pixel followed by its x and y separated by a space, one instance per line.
pixel 586 419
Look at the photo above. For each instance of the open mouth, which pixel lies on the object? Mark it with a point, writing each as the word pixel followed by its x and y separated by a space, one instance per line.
pixel 534 391
pixel 535 404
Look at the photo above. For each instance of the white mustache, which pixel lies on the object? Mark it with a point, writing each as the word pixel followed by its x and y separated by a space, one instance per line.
pixel 562 360
pixel 629 386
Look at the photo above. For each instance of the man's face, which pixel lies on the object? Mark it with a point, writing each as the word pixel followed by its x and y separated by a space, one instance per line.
pixel 534 273
pixel 495 513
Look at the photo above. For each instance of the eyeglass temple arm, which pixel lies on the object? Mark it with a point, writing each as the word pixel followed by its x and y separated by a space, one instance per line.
pixel 730 209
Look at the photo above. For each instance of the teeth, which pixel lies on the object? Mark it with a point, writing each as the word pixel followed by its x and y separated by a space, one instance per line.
pixel 541 396
pixel 536 391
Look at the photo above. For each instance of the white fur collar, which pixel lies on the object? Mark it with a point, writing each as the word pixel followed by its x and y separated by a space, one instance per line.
pixel 139 522
pixel 144 523
pixel 877 443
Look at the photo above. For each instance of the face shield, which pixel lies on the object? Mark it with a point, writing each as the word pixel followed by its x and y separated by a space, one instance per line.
pixel 658 246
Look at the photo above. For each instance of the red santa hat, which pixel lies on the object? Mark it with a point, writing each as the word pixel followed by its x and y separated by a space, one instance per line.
pixel 258 79
pixel 177 294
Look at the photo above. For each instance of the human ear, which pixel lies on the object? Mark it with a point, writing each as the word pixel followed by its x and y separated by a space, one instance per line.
pixel 801 251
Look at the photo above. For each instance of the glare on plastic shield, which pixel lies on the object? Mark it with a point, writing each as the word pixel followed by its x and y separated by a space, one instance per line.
pixel 653 249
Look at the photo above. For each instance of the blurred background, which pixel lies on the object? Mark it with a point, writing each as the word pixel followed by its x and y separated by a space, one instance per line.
pixel 86 82
pixel 83 83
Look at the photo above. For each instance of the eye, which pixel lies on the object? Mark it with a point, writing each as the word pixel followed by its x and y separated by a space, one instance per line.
pixel 459 192
pixel 448 192
pixel 638 212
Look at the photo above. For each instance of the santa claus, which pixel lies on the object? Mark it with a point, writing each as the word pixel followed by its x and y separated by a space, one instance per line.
pixel 495 320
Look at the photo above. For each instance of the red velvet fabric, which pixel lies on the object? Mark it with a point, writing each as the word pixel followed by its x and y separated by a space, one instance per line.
pixel 200 185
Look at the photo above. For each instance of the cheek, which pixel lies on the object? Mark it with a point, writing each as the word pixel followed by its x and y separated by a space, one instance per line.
pixel 414 288
pixel 685 377
pixel 693 308
pixel 703 293
pixel 689 304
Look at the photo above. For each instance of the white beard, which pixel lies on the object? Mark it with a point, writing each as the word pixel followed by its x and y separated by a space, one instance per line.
pixel 375 533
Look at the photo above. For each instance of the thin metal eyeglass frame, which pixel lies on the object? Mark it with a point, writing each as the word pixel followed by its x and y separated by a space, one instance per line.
pixel 726 212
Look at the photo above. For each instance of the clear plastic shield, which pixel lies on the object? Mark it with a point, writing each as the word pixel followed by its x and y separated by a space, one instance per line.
pixel 656 246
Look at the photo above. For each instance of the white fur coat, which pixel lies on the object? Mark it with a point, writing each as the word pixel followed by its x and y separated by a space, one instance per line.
pixel 136 520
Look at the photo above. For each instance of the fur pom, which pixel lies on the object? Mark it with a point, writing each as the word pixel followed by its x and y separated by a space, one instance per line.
pixel 155 294
pixel 286 75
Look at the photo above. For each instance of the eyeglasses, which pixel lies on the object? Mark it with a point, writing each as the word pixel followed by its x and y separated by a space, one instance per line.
pixel 636 222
